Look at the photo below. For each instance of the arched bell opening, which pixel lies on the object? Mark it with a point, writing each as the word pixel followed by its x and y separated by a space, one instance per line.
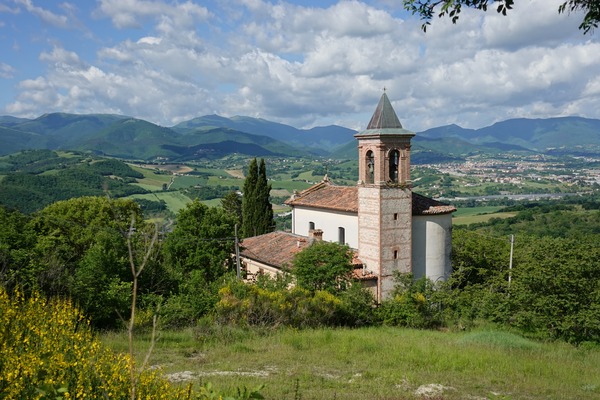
pixel 370 167
pixel 394 166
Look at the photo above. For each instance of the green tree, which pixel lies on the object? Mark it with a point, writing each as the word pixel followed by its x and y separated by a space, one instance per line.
pixel 426 9
pixel 478 286
pixel 324 266
pixel 201 240
pixel 556 288
pixel 232 204
pixel 16 240
pixel 265 208
pixel 81 252
pixel 257 211
pixel 249 200
pixel 198 253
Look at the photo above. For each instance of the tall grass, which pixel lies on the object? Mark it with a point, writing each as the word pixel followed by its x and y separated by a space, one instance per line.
pixel 383 363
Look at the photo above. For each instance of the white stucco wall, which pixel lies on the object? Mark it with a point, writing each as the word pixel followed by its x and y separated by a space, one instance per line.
pixel 431 237
pixel 431 246
pixel 328 221
pixel 253 268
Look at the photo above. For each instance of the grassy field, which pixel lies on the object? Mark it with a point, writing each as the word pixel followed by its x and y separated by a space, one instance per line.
pixel 151 179
pixel 290 185
pixel 379 363
pixel 471 215
pixel 175 200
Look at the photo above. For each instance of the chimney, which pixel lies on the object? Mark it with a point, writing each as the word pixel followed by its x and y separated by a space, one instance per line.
pixel 316 234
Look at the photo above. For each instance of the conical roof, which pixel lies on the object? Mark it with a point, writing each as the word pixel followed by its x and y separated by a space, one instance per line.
pixel 384 121
pixel 384 116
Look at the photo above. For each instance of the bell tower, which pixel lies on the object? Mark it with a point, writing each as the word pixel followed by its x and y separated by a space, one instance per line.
pixel 384 196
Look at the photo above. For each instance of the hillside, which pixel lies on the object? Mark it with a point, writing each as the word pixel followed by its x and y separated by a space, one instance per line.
pixel 131 138
pixel 218 142
pixel 214 136
pixel 531 134
pixel 34 179
pixel 318 139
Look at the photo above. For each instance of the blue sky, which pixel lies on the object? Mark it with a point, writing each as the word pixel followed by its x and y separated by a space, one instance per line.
pixel 303 63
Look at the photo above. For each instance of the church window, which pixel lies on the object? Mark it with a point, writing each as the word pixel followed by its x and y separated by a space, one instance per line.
pixel 395 254
pixel 395 216
pixel 341 235
pixel 311 226
pixel 370 175
pixel 394 163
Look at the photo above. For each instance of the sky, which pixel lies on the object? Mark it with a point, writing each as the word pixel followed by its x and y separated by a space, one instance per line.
pixel 303 63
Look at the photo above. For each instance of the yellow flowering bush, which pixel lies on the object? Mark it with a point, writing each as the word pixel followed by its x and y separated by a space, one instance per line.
pixel 47 350
pixel 250 305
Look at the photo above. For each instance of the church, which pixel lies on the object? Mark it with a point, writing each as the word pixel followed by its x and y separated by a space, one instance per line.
pixel 388 226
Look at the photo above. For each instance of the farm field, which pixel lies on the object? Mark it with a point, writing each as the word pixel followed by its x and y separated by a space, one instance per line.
pixel 471 215
pixel 376 363
pixel 175 200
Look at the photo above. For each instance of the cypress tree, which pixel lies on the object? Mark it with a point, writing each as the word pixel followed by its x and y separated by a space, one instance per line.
pixel 257 212
pixel 263 194
pixel 249 200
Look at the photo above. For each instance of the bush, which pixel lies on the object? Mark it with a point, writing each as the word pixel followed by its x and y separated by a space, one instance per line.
pixel 250 305
pixel 49 351
pixel 412 304
pixel 195 299
pixel 271 303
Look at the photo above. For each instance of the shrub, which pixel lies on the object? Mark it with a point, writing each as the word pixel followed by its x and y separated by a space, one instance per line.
pixel 324 266
pixel 251 305
pixel 412 304
pixel 47 350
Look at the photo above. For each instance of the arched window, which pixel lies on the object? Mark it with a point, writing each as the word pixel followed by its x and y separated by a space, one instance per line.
pixel 370 167
pixel 341 235
pixel 394 163
pixel 311 226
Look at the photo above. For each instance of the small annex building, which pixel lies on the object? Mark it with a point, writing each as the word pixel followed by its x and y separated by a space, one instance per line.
pixel 389 227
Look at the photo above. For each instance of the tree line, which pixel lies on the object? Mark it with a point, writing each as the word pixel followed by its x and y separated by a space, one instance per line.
pixel 37 178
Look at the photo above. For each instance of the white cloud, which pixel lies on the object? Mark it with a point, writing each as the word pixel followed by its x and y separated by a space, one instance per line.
pixel 47 16
pixel 309 65
pixel 530 23
pixel 6 71
pixel 131 13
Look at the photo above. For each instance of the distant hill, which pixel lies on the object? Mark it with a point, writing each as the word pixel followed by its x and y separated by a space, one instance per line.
pixel 319 139
pixel 131 138
pixel 128 137
pixel 215 136
pixel 7 120
pixel 531 134
pixel 218 142
pixel 36 178
pixel 438 150
pixel 13 140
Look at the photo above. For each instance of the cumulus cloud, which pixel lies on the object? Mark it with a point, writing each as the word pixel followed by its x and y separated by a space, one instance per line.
pixel 131 13
pixel 308 65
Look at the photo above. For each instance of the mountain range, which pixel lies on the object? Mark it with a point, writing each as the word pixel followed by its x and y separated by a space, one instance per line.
pixel 214 136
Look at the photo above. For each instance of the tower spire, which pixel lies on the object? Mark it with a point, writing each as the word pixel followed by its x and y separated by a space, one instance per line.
pixel 384 116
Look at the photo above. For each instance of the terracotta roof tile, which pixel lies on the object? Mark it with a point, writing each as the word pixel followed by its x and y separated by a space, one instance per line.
pixel 276 248
pixel 422 205
pixel 328 196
